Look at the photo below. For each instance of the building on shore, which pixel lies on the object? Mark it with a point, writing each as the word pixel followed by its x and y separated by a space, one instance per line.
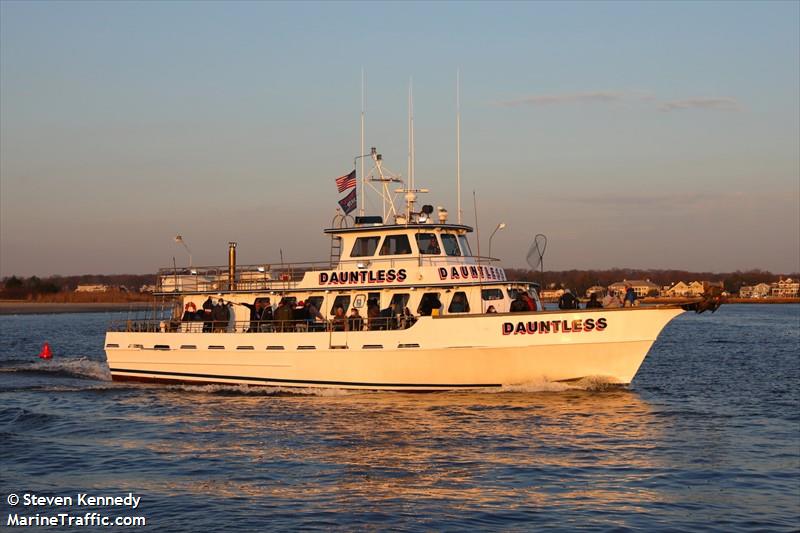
pixel 642 287
pixel 596 289
pixel 785 288
pixel 91 288
pixel 761 290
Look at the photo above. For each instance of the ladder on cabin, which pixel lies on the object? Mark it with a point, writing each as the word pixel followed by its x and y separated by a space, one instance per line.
pixel 339 221
pixel 336 250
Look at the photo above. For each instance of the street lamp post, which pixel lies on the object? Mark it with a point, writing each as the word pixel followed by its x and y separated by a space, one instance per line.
pixel 179 239
pixel 499 227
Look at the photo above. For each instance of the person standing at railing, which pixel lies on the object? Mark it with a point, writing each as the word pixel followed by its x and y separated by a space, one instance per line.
pixel 256 312
pixel 373 314
pixel 339 321
pixel 208 311
pixel 354 321
pixel 283 316
pixel 221 315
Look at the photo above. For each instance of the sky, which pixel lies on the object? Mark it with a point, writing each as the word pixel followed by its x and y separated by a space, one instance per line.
pixel 634 135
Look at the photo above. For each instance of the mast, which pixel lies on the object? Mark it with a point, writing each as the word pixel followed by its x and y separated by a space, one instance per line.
pixel 363 177
pixel 458 143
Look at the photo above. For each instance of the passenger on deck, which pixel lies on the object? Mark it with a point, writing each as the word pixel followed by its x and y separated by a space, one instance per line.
pixel 256 311
pixel 283 316
pixel 612 300
pixel 373 314
pixel 189 313
pixel 266 315
pixel 568 301
pixel 593 302
pixel 491 309
pixel 221 315
pixel 519 305
pixel 355 321
pixel 208 319
pixel 529 301
pixel 339 321
pixel 407 319
pixel 312 313
pixel 630 297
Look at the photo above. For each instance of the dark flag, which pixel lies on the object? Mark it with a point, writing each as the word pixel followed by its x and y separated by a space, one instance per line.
pixel 348 203
pixel 346 182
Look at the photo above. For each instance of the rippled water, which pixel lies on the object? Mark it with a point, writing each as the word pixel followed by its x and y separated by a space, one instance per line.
pixel 706 438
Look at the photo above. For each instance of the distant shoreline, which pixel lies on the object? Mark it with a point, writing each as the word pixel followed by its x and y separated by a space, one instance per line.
pixel 11 307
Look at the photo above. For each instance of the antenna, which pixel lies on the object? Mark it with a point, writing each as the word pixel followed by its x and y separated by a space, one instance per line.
pixel 411 133
pixel 363 111
pixel 458 143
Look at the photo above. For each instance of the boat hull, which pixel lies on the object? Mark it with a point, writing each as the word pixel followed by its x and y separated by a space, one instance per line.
pixel 441 353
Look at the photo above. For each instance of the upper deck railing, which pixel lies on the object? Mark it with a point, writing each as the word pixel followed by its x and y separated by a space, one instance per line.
pixel 286 276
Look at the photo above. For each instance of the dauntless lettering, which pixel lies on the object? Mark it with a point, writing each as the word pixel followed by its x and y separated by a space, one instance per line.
pixel 554 326
pixel 362 276
pixel 466 272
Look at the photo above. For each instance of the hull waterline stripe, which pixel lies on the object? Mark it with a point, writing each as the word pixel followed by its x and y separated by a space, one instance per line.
pixel 304 382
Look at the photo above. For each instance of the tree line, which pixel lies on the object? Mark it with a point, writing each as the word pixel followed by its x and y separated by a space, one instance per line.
pixel 15 287
pixel 21 288
pixel 580 280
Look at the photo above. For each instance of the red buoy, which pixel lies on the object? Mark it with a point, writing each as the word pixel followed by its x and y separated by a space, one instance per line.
pixel 46 353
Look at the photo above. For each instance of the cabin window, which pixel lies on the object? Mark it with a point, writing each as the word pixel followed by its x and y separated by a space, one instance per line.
pixel 465 249
pixel 491 294
pixel 459 303
pixel 375 296
pixel 428 302
pixel 450 244
pixel 427 244
pixel 401 300
pixel 364 247
pixel 395 245
pixel 343 301
pixel 316 301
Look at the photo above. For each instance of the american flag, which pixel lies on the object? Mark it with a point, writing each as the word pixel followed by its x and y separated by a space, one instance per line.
pixel 347 181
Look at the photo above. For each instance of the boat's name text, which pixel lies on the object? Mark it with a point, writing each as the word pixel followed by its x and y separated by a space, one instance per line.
pixel 362 276
pixel 554 326
pixel 474 272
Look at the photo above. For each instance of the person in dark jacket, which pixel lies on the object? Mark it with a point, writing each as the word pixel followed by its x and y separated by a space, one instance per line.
pixel 283 316
pixel 208 310
pixel 568 301
pixel 355 321
pixel 593 302
pixel 256 312
pixel 221 315
pixel 630 297
pixel 519 305
pixel 373 314
pixel 189 313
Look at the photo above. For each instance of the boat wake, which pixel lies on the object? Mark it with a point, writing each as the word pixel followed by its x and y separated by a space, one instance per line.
pixel 81 367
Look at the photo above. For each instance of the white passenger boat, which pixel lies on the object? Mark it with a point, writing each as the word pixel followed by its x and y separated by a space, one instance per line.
pixel 436 331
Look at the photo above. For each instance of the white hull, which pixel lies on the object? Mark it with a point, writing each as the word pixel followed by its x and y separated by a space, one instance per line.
pixel 440 353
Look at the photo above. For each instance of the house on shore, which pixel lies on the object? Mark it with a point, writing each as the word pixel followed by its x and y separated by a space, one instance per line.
pixel 642 287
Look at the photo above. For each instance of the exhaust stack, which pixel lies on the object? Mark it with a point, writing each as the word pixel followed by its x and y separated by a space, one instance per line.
pixel 232 266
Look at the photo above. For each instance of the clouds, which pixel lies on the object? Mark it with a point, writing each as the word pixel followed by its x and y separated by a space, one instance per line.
pixel 723 103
